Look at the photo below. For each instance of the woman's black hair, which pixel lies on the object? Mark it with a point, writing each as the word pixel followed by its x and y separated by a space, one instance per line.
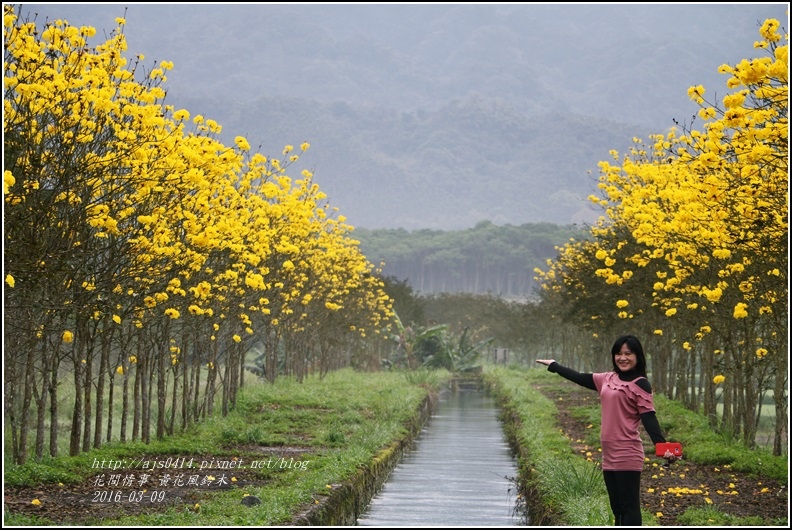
pixel 635 346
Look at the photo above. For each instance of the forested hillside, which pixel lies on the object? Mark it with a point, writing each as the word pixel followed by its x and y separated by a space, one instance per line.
pixel 485 259
pixel 437 169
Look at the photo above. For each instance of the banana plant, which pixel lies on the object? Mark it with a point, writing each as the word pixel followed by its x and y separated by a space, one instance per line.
pixel 409 340
pixel 456 355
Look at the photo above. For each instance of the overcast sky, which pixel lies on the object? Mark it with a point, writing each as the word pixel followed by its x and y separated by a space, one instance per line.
pixel 625 64
pixel 421 34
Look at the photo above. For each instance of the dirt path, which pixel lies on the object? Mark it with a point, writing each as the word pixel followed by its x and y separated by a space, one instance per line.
pixel 671 490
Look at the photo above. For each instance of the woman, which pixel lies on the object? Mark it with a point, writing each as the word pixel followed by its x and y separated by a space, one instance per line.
pixel 625 398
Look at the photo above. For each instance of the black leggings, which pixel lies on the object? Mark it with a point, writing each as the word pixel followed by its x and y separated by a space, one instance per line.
pixel 624 492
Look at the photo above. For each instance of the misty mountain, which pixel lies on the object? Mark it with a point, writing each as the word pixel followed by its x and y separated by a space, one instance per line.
pixel 469 160
pixel 439 115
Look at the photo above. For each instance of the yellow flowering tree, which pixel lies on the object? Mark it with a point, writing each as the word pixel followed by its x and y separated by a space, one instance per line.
pixel 139 247
pixel 706 214
pixel 75 126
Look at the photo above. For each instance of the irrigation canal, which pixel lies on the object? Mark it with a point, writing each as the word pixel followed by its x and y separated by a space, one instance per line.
pixel 459 472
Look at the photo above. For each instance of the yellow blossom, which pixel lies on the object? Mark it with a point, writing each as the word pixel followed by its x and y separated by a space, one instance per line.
pixel 242 143
pixel 9 280
pixel 740 310
pixel 8 181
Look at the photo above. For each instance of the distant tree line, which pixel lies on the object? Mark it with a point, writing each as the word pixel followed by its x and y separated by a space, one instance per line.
pixel 485 259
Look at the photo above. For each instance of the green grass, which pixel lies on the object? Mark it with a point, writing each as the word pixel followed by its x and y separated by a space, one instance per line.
pixel 713 516
pixel 340 423
pixel 704 445
pixel 576 487
pixel 572 488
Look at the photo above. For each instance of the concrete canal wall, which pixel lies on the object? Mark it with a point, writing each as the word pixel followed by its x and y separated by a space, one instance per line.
pixel 348 500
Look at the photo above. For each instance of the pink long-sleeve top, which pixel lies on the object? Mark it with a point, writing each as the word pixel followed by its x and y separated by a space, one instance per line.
pixel 622 403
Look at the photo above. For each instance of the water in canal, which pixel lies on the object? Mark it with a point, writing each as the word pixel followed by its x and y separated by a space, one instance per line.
pixel 460 471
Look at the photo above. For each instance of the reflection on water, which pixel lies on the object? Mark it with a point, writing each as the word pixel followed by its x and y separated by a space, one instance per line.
pixel 460 471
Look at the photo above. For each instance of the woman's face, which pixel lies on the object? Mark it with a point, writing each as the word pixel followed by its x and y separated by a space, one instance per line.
pixel 626 360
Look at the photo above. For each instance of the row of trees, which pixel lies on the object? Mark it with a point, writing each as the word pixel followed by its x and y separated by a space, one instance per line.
pixel 484 259
pixel 139 249
pixel 692 249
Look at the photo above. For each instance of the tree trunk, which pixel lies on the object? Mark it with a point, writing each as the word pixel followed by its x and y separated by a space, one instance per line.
pixel 710 404
pixel 41 415
pixel 104 361
pixel 41 394
pixel 145 408
pixel 750 391
pixel 110 395
pixel 88 371
pixel 195 382
pixel 125 400
pixel 77 414
pixel 174 395
pixel 53 393
pixel 162 386
pixel 241 370
pixel 185 384
pixel 27 397
pixel 780 434
pixel 137 399
pixel 9 404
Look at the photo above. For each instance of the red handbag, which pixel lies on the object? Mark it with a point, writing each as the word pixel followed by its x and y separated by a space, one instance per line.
pixel 674 447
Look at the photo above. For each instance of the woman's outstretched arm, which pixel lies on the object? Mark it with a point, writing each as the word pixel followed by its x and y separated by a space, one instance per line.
pixel 584 380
